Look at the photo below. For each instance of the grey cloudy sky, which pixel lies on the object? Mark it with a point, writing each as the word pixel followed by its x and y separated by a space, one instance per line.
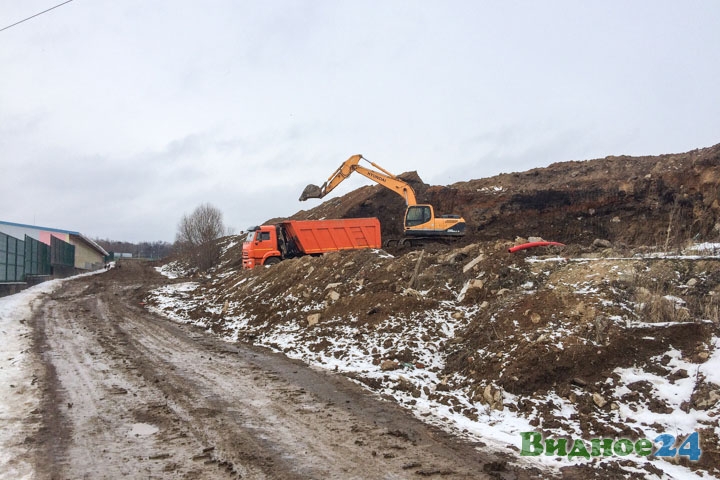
pixel 118 116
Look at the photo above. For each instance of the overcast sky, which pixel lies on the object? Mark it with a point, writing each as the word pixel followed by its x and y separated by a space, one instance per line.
pixel 118 116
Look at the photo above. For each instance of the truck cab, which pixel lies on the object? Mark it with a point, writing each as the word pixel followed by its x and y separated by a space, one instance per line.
pixel 261 247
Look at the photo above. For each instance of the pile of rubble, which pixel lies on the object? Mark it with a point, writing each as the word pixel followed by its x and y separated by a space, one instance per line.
pixel 488 342
pixel 606 337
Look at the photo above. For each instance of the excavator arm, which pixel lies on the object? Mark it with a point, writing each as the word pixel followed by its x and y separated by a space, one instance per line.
pixel 420 220
pixel 383 177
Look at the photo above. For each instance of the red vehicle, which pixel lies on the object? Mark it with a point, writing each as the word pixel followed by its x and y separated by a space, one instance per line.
pixel 269 244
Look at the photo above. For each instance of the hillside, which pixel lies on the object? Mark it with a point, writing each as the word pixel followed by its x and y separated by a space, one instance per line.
pixel 612 339
pixel 630 200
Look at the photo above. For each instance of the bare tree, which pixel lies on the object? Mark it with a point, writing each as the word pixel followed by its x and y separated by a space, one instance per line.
pixel 197 235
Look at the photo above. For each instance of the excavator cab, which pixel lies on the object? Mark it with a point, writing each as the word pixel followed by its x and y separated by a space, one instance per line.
pixel 420 220
pixel 418 216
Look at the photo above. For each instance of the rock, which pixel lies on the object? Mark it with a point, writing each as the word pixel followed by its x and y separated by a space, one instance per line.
pixel 458 315
pixel 332 285
pixel 702 356
pixel 493 397
pixel 387 365
pixel 599 400
pixel 502 292
pixel 313 319
pixel 471 284
pixel 707 399
pixel 692 282
pixel 487 394
pixel 485 304
pixel 579 382
pixel 535 239
pixel 475 283
pixel 473 262
pixel 615 220
pixel 601 243
pixel 333 296
pixel 535 317
pixel 459 254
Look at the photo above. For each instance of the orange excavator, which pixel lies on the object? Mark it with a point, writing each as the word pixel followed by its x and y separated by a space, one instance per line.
pixel 420 220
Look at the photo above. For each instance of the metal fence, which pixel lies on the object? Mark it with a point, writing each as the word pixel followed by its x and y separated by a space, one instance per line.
pixel 61 253
pixel 22 258
pixel 37 257
pixel 12 259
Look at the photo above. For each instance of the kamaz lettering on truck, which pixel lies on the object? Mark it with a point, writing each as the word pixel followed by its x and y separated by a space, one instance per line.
pixel 270 244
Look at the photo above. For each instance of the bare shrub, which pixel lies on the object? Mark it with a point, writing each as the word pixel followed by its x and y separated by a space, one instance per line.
pixel 197 235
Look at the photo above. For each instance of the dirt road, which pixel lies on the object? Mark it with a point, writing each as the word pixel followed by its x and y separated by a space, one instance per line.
pixel 130 394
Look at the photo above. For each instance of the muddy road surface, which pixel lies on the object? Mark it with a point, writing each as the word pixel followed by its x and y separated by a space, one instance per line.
pixel 128 394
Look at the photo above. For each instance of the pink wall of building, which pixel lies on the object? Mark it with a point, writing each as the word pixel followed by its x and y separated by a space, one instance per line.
pixel 45 237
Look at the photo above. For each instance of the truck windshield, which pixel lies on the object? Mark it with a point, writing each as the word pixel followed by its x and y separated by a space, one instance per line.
pixel 250 236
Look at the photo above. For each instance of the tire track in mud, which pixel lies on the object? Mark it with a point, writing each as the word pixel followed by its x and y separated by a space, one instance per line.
pixel 130 394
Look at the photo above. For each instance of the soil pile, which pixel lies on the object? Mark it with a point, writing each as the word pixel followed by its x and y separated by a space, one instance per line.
pixel 586 344
pixel 598 339
pixel 634 200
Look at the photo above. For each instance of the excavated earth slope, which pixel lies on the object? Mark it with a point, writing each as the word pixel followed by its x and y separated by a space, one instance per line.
pixel 625 199
pixel 611 338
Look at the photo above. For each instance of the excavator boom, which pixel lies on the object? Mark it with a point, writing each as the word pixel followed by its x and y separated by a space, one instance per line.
pixel 383 177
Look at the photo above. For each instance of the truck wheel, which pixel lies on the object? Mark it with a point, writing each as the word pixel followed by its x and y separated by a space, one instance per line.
pixel 392 243
pixel 272 261
pixel 407 243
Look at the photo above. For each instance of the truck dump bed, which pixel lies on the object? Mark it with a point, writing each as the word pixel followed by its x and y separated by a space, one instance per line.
pixel 322 236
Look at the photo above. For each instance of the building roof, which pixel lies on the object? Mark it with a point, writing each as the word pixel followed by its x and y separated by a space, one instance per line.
pixel 38 227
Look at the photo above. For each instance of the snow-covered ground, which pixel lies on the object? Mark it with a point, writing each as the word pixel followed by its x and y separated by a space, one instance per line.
pixel 500 428
pixel 19 393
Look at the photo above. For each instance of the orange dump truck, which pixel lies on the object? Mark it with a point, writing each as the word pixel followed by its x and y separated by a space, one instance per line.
pixel 269 244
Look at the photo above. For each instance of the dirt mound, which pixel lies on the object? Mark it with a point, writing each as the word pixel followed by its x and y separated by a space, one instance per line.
pixel 613 338
pixel 650 200
pixel 479 330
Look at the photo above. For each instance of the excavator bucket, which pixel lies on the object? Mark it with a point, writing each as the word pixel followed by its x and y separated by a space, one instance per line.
pixel 311 191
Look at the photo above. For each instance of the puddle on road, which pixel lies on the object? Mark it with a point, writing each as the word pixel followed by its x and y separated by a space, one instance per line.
pixel 142 430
